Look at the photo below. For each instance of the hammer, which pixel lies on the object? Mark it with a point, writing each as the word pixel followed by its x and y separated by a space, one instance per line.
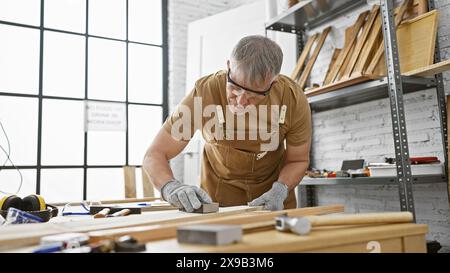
pixel 303 225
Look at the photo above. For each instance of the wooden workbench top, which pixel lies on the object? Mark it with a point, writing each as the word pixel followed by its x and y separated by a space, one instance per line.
pixel 29 234
pixel 392 238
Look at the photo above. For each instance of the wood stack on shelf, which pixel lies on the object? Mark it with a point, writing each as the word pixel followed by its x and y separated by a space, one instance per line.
pixel 362 56
pixel 292 3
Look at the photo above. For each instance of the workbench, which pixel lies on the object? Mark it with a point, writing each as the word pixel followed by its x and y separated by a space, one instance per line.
pixel 158 230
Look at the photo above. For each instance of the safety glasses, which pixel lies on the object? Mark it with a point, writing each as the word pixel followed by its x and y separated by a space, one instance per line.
pixel 236 86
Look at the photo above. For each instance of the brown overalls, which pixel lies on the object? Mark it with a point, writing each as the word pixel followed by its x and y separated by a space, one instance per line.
pixel 234 172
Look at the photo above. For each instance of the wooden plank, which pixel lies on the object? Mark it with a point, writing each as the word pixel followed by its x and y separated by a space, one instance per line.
pixel 426 23
pixel 115 201
pixel 303 56
pixel 418 7
pixel 345 64
pixel 23 235
pixel 414 244
pixel 416 42
pixel 320 238
pixel 251 221
pixel 361 219
pixel 380 51
pixel 430 70
pixel 312 60
pixel 148 188
pixel 361 41
pixel 368 48
pixel 159 208
pixel 334 57
pixel 129 174
pixel 345 51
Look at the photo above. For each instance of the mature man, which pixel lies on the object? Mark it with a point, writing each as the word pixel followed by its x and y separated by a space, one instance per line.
pixel 242 162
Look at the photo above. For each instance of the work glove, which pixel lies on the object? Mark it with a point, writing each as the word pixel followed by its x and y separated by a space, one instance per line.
pixel 272 199
pixel 184 196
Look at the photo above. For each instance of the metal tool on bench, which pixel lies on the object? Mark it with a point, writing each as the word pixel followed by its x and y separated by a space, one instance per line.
pixel 296 225
pixel 209 234
pixel 303 225
pixel 206 208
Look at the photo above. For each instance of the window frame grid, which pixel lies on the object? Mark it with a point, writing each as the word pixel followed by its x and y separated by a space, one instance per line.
pixel 40 96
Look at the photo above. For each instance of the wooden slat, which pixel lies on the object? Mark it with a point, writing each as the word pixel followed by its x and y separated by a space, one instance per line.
pixel 380 51
pixel 148 188
pixel 345 64
pixel 418 7
pixel 345 51
pixel 368 49
pixel 334 57
pixel 312 60
pixel 430 70
pixel 115 201
pixel 129 174
pixel 303 56
pixel 251 221
pixel 361 41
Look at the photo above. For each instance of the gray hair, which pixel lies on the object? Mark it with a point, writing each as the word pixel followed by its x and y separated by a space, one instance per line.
pixel 258 57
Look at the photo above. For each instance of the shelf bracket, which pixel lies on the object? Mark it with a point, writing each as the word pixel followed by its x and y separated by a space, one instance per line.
pixel 395 90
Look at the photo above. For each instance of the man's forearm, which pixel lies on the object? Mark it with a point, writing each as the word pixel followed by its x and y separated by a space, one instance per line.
pixel 158 169
pixel 293 172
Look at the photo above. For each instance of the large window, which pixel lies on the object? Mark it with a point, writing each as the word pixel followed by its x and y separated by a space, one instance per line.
pixel 54 56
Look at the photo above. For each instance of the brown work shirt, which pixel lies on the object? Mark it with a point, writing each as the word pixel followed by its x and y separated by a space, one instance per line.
pixel 243 155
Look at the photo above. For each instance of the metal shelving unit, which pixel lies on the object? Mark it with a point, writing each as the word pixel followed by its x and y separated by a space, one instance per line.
pixel 419 179
pixel 364 92
pixel 312 13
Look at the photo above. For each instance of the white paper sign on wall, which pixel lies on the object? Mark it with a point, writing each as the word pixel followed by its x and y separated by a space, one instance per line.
pixel 104 116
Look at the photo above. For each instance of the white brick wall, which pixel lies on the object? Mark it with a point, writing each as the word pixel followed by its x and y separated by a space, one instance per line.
pixel 364 131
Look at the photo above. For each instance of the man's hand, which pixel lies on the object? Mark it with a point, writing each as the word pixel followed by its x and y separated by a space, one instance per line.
pixel 272 199
pixel 184 196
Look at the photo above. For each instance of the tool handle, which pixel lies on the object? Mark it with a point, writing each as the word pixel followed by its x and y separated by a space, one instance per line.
pixel 361 219
pixel 102 213
pixel 121 213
